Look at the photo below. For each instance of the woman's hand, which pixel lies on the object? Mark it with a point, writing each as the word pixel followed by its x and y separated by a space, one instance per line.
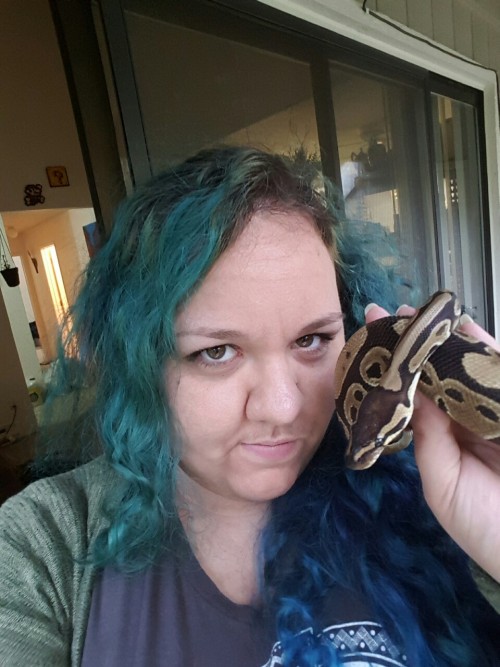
pixel 460 471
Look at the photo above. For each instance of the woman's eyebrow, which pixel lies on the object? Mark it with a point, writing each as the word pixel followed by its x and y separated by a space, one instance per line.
pixel 327 320
pixel 221 334
pixel 211 333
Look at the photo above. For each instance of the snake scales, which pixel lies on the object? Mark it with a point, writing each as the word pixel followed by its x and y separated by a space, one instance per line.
pixel 382 365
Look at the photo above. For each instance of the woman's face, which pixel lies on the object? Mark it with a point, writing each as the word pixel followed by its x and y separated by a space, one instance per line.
pixel 252 389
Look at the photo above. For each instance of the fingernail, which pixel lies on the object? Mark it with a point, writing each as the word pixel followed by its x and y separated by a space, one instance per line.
pixel 403 305
pixel 369 307
pixel 465 319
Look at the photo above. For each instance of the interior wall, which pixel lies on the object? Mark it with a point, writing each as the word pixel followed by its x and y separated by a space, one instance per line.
pixel 19 326
pixel 13 389
pixel 64 231
pixel 37 130
pixel 37 127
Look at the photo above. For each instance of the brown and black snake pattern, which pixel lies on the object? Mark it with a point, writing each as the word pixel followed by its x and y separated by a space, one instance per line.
pixel 382 365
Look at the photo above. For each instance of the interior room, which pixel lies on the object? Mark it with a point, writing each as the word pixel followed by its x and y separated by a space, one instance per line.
pixel 48 249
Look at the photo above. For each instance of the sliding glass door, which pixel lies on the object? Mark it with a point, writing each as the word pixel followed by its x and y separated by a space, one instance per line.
pixel 384 165
pixel 458 186
pixel 404 155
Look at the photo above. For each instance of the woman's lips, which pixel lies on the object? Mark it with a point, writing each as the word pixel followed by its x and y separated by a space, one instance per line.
pixel 271 451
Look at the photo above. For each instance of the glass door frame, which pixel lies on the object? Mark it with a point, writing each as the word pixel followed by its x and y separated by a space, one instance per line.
pixel 460 93
pixel 291 36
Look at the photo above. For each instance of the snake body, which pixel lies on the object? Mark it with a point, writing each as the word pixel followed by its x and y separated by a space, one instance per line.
pixel 381 366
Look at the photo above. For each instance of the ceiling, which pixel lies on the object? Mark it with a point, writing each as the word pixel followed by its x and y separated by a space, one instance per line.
pixel 17 222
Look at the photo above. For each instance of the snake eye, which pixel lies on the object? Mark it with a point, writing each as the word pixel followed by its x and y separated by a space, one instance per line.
pixel 374 371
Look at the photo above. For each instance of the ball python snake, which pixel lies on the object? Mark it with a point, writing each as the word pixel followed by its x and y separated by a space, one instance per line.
pixel 383 363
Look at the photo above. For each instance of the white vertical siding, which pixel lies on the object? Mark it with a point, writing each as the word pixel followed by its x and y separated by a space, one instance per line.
pixel 420 17
pixel 470 27
pixel 396 9
pixel 494 49
pixel 480 41
pixel 462 28
pixel 442 22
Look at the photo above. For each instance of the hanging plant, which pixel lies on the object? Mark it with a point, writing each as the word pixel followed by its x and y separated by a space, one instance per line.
pixel 8 269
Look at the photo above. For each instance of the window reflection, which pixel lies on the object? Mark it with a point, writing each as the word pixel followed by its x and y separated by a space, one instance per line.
pixel 203 76
pixel 459 195
pixel 198 89
pixel 383 163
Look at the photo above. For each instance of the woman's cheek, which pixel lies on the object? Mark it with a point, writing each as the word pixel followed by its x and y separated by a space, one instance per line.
pixel 206 406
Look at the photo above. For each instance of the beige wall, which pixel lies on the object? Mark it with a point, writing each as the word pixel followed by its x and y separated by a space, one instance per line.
pixel 18 358
pixel 37 128
pixel 13 390
pixel 19 325
pixel 63 230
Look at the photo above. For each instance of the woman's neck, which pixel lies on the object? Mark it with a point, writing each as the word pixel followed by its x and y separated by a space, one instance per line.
pixel 224 535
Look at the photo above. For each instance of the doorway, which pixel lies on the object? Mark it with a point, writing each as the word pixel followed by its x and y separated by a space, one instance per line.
pixel 51 248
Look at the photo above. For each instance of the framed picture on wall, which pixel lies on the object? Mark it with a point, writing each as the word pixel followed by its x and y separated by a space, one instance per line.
pixel 58 177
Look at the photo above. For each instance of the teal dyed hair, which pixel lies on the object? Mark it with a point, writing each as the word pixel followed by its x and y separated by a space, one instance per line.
pixel 369 532
pixel 120 332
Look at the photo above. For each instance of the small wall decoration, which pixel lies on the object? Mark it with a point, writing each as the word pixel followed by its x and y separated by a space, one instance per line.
pixel 8 269
pixel 33 194
pixel 58 177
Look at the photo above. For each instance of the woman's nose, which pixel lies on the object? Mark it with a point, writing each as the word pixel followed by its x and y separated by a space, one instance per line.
pixel 274 396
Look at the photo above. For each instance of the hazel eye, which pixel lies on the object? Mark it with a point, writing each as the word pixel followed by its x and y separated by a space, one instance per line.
pixel 215 353
pixel 314 343
pixel 306 341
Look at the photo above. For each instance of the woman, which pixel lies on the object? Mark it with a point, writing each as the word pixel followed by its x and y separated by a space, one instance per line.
pixel 219 525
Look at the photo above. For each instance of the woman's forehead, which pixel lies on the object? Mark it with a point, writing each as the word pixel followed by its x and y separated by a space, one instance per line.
pixel 271 234
pixel 278 262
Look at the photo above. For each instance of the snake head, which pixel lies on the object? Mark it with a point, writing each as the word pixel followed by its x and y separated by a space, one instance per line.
pixel 361 460
pixel 377 375
pixel 364 457
pixel 369 436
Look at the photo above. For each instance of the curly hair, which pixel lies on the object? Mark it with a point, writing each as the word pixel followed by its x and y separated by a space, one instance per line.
pixel 370 532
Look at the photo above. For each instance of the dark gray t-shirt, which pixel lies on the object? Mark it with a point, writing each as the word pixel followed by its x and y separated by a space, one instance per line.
pixel 174 616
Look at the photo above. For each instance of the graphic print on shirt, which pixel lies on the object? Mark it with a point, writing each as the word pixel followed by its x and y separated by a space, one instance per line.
pixel 359 644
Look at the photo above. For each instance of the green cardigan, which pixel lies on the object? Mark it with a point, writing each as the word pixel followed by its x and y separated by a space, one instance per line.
pixel 45 594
